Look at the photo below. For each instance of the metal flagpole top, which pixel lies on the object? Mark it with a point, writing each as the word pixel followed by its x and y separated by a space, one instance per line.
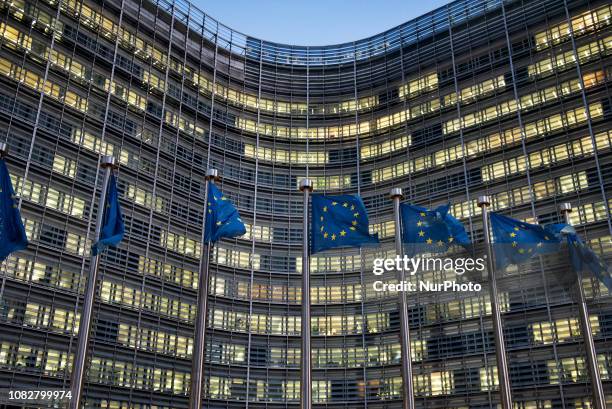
pixel 565 207
pixel 396 192
pixel 3 149
pixel 305 184
pixel 108 161
pixel 212 174
pixel 484 200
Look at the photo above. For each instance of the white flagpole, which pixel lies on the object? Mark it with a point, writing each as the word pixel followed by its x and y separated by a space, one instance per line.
pixel 306 365
pixel 500 345
pixel 199 348
pixel 599 399
pixel 80 361
pixel 407 387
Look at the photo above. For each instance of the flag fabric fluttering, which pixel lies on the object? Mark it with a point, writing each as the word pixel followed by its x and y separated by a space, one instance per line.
pixel 339 221
pixel 222 218
pixel 585 259
pixel 430 231
pixel 581 256
pixel 516 241
pixel 113 229
pixel 12 232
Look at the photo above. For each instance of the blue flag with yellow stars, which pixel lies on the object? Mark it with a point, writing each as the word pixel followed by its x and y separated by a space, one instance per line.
pixel 222 218
pixel 432 231
pixel 585 259
pixel 339 221
pixel 112 222
pixel 12 233
pixel 581 256
pixel 516 242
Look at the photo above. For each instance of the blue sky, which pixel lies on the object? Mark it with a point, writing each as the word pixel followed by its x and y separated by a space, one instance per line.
pixel 315 22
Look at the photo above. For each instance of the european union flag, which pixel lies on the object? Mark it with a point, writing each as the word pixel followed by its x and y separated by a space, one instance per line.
pixel 430 230
pixel 222 219
pixel 12 233
pixel 517 241
pixel 112 222
pixel 583 258
pixel 339 221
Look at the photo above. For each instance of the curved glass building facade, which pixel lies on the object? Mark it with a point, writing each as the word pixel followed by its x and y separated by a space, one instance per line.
pixel 506 98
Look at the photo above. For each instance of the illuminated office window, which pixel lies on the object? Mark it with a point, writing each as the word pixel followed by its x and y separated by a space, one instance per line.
pixel 419 85
pixel 488 378
pixel 476 91
pixel 580 24
pixel 571 369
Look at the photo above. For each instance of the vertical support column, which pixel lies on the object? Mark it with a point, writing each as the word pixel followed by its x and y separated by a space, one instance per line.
pixel 500 346
pixel 407 385
pixel 80 360
pixel 199 347
pixel 599 399
pixel 306 365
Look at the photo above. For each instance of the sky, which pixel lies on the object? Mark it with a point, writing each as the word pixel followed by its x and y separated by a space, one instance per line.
pixel 314 22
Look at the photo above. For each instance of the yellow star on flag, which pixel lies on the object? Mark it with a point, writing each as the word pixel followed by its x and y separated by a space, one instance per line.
pixel 343 233
pixel 429 241
pixel 421 233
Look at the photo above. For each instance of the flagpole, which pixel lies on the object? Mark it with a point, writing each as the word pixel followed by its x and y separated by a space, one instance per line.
pixel 599 400
pixel 199 348
pixel 407 385
pixel 78 369
pixel 3 154
pixel 306 365
pixel 500 345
